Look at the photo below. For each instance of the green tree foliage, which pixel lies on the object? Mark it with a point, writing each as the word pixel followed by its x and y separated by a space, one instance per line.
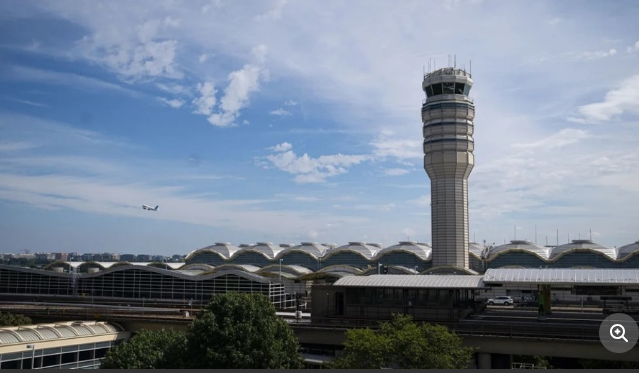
pixel 8 319
pixel 148 349
pixel 234 331
pixel 538 361
pixel 403 344
pixel 238 331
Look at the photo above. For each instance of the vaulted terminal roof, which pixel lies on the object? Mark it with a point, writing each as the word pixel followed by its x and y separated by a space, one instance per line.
pixel 565 276
pixel 413 281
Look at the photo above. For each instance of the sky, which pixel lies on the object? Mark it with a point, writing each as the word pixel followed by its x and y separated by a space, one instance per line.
pixel 292 121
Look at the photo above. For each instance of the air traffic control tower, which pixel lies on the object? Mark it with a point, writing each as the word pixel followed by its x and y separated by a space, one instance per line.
pixel 447 115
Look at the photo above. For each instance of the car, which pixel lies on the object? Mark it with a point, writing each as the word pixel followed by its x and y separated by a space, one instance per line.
pixel 503 300
pixel 528 304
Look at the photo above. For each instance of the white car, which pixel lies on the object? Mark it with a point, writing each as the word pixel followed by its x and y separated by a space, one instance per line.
pixel 503 300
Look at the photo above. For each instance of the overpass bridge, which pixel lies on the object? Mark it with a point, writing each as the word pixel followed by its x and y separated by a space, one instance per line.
pixel 493 333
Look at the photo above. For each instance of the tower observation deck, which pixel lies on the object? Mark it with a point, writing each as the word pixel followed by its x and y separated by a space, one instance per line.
pixel 447 116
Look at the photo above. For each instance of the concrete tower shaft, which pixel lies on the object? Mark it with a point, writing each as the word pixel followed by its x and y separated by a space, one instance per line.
pixel 447 116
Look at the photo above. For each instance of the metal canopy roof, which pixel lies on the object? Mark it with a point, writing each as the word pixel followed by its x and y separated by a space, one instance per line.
pixel 46 332
pixel 562 276
pixel 413 281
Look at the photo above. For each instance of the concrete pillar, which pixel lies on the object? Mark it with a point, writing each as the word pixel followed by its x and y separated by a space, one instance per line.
pixel 484 361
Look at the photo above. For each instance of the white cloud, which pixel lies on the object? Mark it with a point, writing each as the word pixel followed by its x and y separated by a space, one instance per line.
pixel 624 99
pixel 173 88
pixel 389 145
pixel 69 79
pixel 236 96
pixel 408 232
pixel 275 13
pixel 206 102
pixel 314 170
pixel 421 201
pixel 633 48
pixel 134 55
pixel 15 146
pixel 203 58
pixel 562 138
pixel 396 171
pixel 26 102
pixel 280 112
pixel 285 146
pixel 290 103
pixel 174 103
pixel 595 55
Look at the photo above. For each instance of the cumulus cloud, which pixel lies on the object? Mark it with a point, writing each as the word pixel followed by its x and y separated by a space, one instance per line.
pixel 280 112
pixel 633 48
pixel 206 101
pixel 275 13
pixel 312 170
pixel 290 103
pixel 203 58
pixel 283 147
pixel 174 103
pixel 623 99
pixel 236 96
pixel 388 144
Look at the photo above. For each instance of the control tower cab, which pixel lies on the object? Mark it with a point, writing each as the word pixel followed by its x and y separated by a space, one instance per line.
pixel 447 117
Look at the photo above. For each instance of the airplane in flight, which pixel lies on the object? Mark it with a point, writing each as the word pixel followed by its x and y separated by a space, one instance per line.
pixel 147 207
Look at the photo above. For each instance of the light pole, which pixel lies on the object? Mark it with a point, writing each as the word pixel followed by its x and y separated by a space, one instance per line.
pixel 281 270
pixel 379 265
pixel 32 347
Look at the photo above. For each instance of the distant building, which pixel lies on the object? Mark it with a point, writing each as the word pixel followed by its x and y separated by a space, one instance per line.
pixel 111 257
pixel 87 257
pixel 128 258
pixel 158 258
pixel 144 258
pixel 61 256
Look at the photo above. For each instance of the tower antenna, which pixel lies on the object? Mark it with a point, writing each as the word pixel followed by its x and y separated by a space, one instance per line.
pixel 455 63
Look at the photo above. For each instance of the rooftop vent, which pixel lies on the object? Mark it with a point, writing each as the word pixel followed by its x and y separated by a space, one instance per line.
pixel 581 241
pixel 355 243
pixel 265 243
pixel 312 243
pixel 223 243
pixel 520 242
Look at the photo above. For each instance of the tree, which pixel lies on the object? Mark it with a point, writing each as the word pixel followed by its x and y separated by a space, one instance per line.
pixel 403 344
pixel 148 349
pixel 8 319
pixel 238 330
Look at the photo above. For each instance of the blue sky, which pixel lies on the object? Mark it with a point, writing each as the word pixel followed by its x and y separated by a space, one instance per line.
pixel 290 121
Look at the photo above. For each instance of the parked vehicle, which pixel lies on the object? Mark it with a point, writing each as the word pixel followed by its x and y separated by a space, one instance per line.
pixel 528 304
pixel 501 300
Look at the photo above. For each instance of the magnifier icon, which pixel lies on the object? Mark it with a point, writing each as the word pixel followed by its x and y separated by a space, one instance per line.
pixel 617 331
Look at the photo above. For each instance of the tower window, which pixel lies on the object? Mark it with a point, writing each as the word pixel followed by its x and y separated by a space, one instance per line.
pixel 429 91
pixel 437 89
pixel 459 88
pixel 449 88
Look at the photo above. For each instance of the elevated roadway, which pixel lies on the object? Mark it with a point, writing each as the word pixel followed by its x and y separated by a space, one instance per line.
pixel 509 332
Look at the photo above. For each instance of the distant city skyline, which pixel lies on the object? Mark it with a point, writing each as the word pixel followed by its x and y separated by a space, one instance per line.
pixel 287 122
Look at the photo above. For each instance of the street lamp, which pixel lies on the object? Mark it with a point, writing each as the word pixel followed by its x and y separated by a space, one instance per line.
pixel 32 347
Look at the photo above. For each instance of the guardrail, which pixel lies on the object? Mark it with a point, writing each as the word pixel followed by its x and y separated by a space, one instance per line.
pixel 481 329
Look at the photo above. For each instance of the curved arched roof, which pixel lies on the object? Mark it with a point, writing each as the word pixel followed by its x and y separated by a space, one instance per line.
pixel 268 249
pixel 627 250
pixel 361 248
pixel 421 250
pixel 477 249
pixel 223 249
pixel 583 245
pixel 516 245
pixel 48 332
pixel 312 248
pixel 294 269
